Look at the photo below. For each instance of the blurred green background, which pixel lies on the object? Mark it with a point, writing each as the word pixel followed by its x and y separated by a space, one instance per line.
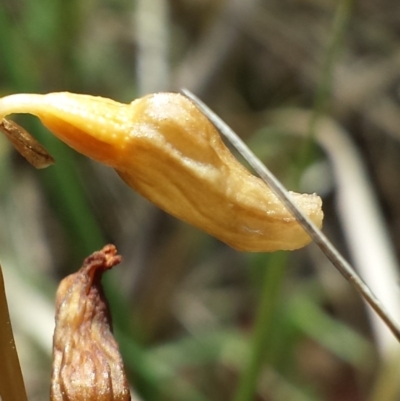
pixel 304 82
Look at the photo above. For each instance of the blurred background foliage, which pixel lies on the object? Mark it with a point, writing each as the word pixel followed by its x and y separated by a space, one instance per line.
pixel 195 319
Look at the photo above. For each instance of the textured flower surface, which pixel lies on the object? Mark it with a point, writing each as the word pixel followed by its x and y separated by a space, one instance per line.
pixel 166 149
pixel 87 364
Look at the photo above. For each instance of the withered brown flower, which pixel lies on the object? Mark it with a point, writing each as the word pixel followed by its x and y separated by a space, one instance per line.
pixel 164 147
pixel 87 365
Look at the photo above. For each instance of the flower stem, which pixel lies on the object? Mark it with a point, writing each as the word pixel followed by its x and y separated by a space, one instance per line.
pixel 272 284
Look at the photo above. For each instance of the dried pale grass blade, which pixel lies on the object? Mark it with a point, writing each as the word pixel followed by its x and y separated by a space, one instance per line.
pixel 26 144
pixel 152 38
pixel 12 386
pixel 319 238
pixel 364 226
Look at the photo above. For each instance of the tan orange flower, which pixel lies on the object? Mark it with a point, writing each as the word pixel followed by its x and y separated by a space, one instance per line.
pixel 165 148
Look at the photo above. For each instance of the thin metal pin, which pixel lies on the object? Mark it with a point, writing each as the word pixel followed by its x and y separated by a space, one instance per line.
pixel 318 237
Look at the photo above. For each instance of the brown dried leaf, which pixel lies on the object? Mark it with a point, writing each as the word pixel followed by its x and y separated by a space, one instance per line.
pixel 26 144
pixel 87 364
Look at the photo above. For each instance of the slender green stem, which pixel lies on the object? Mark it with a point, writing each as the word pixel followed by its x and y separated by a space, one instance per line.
pixel 12 386
pixel 272 284
pixel 340 23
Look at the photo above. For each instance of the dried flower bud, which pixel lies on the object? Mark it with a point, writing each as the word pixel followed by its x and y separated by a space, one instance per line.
pixel 26 144
pixel 87 365
pixel 166 149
